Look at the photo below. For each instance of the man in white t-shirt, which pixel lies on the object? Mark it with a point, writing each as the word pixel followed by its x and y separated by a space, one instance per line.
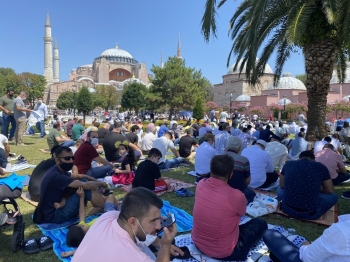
pixel 163 144
pixel 278 152
pixel 127 235
pixel 147 140
pixel 320 144
pixel 223 117
pixel 4 154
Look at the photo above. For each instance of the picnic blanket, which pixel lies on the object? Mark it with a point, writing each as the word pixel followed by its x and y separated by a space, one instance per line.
pixel 18 167
pixel 13 181
pixel 175 184
pixel 58 232
pixel 259 251
pixel 330 217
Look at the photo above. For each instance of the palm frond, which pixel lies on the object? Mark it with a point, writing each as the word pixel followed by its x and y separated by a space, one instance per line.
pixel 209 20
pixel 343 25
pixel 221 3
pixel 340 65
pixel 331 8
pixel 283 53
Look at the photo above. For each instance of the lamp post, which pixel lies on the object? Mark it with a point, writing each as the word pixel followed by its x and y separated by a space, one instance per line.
pixel 74 86
pixel 284 106
pixel 230 103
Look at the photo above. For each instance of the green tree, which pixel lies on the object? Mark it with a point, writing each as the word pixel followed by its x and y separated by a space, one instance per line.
pixel 133 97
pixel 302 78
pixel 8 80
pixel 109 94
pixel 33 84
pixel 84 101
pixel 65 101
pixel 320 28
pixel 176 86
pixel 99 101
pixel 198 110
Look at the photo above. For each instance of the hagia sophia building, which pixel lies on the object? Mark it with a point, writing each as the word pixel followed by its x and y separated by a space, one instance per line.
pixel 113 66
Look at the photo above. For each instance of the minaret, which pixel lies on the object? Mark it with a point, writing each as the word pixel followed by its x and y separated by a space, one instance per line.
pixel 56 63
pixel 48 51
pixel 161 61
pixel 179 48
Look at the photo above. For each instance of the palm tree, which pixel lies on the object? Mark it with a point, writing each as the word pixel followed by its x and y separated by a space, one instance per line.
pixel 320 28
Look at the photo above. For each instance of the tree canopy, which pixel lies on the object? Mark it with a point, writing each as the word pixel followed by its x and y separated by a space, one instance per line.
pixel 8 80
pixel 65 101
pixel 108 94
pixel 133 97
pixel 198 110
pixel 320 28
pixel 176 86
pixel 33 84
pixel 84 101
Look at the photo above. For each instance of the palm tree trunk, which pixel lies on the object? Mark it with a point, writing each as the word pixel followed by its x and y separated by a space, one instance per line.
pixel 319 62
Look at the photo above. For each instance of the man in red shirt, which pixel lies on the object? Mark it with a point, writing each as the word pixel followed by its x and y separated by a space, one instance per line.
pixel 87 153
pixel 217 212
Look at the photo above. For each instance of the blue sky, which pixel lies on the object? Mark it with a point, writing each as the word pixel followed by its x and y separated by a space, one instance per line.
pixel 85 28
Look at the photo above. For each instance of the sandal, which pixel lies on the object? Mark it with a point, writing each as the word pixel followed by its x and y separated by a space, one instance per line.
pixel 11 217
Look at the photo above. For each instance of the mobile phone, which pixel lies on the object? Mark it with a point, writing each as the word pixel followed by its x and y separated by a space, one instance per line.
pixel 167 222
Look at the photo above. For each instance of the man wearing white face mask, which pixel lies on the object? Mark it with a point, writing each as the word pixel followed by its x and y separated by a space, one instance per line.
pixel 86 153
pixel 19 111
pixel 41 108
pixel 125 236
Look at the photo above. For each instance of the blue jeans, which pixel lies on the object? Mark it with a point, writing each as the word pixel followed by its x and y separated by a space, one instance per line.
pixel 281 247
pixel 99 172
pixel 340 178
pixel 170 163
pixel 40 125
pixel 5 128
pixel 68 143
pixel 325 202
pixel 70 209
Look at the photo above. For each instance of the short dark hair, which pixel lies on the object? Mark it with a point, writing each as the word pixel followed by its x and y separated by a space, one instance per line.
pixel 222 165
pixel 328 139
pixel 62 149
pixel 154 152
pixel 80 121
pixel 53 150
pixel 169 134
pixel 138 202
pixel 302 129
pixel 249 127
pixel 56 124
pixel 9 90
pixel 74 236
pixel 134 128
pixel 330 146
pixel 307 154
pixel 97 124
pixel 268 126
pixel 224 126
pixel 245 130
pixel 301 134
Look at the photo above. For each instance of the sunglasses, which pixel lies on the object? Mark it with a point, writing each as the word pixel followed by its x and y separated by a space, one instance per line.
pixel 67 158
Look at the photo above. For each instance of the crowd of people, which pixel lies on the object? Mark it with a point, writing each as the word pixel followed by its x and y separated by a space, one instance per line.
pixel 232 158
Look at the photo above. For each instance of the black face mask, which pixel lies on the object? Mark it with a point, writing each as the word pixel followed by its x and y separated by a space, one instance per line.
pixel 10 95
pixel 66 166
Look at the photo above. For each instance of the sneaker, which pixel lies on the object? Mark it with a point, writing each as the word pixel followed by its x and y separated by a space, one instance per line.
pixel 12 154
pixel 346 195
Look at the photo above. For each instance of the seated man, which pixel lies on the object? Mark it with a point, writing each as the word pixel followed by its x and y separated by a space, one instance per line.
pixel 59 183
pixel 320 144
pixel 163 144
pixel 277 151
pixel 85 154
pixel 266 133
pixel 221 138
pixel 148 175
pixel 332 245
pixel 261 166
pixel 241 172
pixel 55 137
pixel 298 145
pixel 148 139
pixel 132 135
pixel 78 129
pixel 334 163
pixel 306 189
pixel 216 231
pixel 102 131
pixel 163 128
pixel 126 235
pixel 246 138
pixel 205 152
pixel 187 142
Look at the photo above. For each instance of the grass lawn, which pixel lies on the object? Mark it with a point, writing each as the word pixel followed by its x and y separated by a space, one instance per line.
pixel 34 156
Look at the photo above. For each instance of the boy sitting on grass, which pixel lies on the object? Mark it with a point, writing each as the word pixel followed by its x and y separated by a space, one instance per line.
pixel 76 233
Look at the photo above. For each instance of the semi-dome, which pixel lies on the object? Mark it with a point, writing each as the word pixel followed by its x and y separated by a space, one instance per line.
pixel 118 55
pixel 268 69
pixel 243 98
pixel 335 79
pixel 284 101
pixel 287 81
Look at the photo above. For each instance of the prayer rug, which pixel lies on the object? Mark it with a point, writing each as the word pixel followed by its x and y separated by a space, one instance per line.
pixel 26 197
pixel 13 181
pixel 18 167
pixel 175 184
pixel 330 217
pixel 256 253
pixel 266 193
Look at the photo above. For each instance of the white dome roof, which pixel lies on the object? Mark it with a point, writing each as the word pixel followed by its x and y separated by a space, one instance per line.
pixel 287 81
pixel 346 98
pixel 335 79
pixel 116 52
pixel 87 65
pixel 268 69
pixel 281 102
pixel 243 98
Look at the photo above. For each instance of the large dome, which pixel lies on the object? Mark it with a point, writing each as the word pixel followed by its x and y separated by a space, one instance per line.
pixel 118 55
pixel 284 101
pixel 335 79
pixel 287 81
pixel 243 98
pixel 268 69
